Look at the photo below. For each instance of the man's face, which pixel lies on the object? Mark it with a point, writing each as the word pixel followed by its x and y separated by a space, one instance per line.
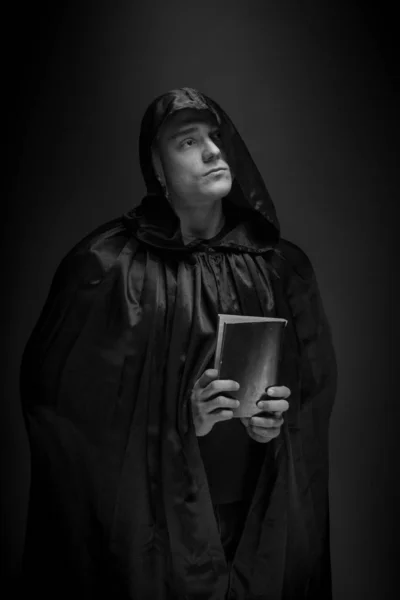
pixel 189 152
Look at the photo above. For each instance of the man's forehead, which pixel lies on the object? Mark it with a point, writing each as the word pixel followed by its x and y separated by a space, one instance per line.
pixel 185 118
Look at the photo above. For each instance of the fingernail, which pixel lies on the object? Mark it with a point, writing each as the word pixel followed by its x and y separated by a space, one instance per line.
pixel 271 391
pixel 260 404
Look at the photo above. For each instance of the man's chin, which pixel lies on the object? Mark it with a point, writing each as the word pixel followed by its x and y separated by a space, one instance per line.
pixel 218 189
pixel 202 195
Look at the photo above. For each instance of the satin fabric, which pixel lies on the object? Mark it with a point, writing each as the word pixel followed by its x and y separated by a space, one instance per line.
pixel 119 500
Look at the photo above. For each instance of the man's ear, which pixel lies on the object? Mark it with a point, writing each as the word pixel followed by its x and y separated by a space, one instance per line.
pixel 157 165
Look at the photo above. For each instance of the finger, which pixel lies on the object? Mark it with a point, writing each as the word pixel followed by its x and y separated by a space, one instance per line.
pixel 221 415
pixel 278 391
pixel 265 433
pixel 208 376
pixel 274 406
pixel 220 402
pixel 266 423
pixel 217 386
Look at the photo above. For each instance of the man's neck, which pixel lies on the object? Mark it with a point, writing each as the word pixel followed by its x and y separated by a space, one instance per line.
pixel 201 222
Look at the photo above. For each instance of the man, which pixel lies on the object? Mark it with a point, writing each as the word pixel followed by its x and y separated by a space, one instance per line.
pixel 143 485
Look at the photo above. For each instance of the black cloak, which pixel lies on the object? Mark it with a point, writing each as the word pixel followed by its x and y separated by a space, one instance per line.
pixel 119 503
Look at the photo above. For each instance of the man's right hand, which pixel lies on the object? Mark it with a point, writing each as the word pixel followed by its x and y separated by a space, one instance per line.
pixel 208 409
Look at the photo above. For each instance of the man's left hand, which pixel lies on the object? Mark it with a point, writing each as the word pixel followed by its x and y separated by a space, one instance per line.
pixel 266 426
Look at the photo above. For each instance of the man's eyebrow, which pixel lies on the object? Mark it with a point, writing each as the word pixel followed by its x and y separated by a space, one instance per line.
pixel 183 131
pixel 187 130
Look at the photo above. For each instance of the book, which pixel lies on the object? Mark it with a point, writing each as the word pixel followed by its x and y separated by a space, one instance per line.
pixel 248 351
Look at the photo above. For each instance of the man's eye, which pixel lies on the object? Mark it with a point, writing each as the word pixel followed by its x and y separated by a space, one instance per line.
pixel 216 135
pixel 187 143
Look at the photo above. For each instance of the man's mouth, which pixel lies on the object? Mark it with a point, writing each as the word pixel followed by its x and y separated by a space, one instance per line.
pixel 216 170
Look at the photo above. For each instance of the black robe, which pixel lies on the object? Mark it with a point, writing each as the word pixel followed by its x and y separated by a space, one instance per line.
pixel 119 503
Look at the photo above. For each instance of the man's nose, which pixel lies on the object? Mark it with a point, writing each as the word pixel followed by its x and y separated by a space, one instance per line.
pixel 211 151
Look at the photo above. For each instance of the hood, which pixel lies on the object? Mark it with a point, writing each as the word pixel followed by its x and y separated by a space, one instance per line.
pixel 252 224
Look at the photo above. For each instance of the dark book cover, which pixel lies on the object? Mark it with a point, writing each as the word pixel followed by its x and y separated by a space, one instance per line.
pixel 248 351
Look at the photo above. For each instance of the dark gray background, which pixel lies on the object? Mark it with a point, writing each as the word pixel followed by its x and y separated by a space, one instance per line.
pixel 312 87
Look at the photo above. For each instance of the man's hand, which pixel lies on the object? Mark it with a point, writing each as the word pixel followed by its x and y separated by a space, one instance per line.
pixel 267 425
pixel 207 409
